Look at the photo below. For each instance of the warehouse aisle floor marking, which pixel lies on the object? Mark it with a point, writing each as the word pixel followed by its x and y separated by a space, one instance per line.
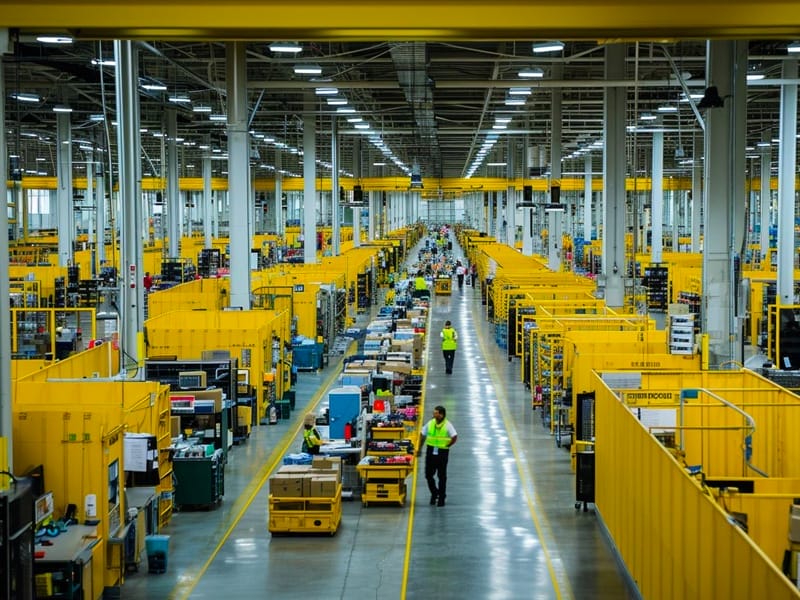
pixel 557 576
pixel 420 422
pixel 183 591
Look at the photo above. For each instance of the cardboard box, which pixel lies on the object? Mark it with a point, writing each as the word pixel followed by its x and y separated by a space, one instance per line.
pixel 323 487
pixel 326 462
pixel 333 471
pixel 294 469
pixel 214 394
pixel 286 486
pixel 174 426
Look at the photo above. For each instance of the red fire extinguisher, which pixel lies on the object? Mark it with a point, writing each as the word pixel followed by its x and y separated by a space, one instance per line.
pixel 348 431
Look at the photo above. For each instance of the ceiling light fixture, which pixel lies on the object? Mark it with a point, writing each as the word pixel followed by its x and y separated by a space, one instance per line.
pixel 519 91
pixel 793 48
pixel 62 109
pixel 326 91
pixel 54 39
pixel 345 109
pixel 531 73
pixel 552 46
pixel 667 108
pixel 286 47
pixel 647 117
pixel 308 69
pixel 218 118
pixel 104 62
pixel 336 101
pixel 25 97
pixel 154 86
pixel 515 100
pixel 755 76
pixel 180 99
pixel 201 108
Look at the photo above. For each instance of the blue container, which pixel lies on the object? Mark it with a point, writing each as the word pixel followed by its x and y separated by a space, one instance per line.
pixel 157 547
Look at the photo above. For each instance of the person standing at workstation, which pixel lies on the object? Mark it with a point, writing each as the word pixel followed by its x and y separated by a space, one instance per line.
pixel 437 436
pixel 312 440
pixel 449 345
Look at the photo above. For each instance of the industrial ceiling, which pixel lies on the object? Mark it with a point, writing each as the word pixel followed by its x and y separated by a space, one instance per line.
pixel 430 105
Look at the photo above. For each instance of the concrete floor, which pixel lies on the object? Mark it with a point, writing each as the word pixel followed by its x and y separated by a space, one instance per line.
pixel 509 530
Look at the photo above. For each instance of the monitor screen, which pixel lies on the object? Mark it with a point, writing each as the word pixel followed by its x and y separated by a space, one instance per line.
pixel 44 507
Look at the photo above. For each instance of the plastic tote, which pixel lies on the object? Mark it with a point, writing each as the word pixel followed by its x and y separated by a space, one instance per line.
pixel 157 547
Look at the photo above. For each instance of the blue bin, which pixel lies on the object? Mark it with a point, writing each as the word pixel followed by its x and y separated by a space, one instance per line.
pixel 157 547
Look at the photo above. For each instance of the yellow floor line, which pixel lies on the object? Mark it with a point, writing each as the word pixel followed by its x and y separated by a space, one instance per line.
pixel 182 592
pixel 420 422
pixel 531 497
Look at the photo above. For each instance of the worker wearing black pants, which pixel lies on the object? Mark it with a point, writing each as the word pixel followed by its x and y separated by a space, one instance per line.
pixel 449 345
pixel 438 436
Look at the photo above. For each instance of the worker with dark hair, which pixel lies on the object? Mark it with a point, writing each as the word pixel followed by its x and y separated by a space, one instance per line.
pixel 437 437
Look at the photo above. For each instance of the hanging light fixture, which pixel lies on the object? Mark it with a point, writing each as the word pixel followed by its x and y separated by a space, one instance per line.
pixel 286 47
pixel 545 47
pixel 531 73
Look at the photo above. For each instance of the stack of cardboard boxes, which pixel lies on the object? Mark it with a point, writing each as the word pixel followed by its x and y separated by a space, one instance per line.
pixel 320 479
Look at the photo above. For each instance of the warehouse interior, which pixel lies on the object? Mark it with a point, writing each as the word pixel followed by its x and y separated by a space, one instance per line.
pixel 225 224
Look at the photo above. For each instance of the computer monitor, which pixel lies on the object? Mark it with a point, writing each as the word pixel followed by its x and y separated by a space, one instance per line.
pixel 43 508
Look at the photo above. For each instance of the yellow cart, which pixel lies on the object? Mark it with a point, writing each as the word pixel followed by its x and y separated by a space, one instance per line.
pixel 384 483
pixel 305 515
pixel 443 286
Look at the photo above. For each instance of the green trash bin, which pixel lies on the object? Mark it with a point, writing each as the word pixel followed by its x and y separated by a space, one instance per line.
pixel 290 396
pixel 284 409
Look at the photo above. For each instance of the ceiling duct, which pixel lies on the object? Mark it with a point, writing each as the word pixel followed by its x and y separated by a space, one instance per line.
pixel 410 62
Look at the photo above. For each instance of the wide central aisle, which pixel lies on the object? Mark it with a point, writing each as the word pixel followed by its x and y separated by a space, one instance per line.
pixel 509 528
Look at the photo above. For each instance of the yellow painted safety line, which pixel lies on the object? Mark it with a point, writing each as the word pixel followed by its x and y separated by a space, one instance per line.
pixel 420 422
pixel 531 497
pixel 182 592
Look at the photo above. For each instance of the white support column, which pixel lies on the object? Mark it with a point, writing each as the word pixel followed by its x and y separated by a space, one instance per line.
pixel 787 164
pixel 175 208
pixel 309 182
pixel 100 211
pixel 238 175
pixel 280 205
pixel 66 216
pixel 511 193
pixel 357 177
pixel 208 203
pixel 697 193
pixel 587 198
pixel 555 219
pixel 131 274
pixel 766 198
pixel 614 178
pixel 724 199
pixel 657 196
pixel 335 207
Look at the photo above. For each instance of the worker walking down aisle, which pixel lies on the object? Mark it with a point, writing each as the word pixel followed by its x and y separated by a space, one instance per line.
pixel 449 344
pixel 437 436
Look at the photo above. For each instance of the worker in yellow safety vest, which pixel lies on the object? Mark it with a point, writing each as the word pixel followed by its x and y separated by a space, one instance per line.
pixel 449 345
pixel 420 286
pixel 437 436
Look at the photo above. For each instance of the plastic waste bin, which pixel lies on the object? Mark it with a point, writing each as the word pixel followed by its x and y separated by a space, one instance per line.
pixel 157 547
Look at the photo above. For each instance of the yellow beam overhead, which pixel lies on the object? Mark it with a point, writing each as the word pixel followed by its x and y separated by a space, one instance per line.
pixel 428 20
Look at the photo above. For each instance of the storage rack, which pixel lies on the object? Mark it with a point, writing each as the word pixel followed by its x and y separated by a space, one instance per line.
pixel 176 270
pixel 388 462
pixel 208 262
pixel 656 280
